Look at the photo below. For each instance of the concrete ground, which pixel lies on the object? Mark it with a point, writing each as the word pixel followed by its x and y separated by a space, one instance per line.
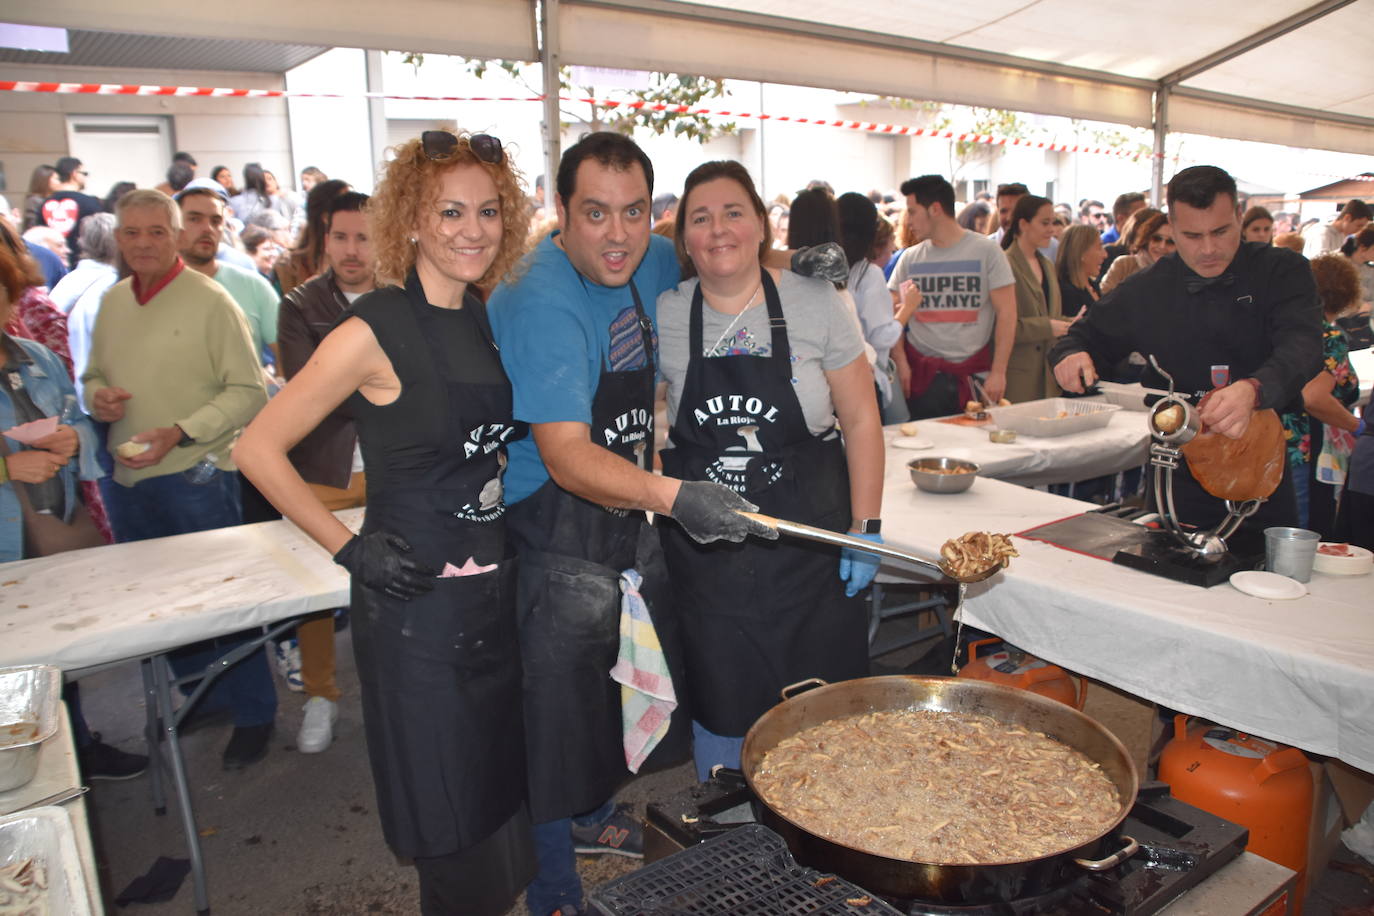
pixel 298 834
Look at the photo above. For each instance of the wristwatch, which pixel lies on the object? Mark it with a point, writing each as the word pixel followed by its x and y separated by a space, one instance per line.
pixel 869 525
pixel 185 438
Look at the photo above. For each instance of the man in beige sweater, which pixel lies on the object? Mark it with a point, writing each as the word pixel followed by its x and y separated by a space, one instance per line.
pixel 172 370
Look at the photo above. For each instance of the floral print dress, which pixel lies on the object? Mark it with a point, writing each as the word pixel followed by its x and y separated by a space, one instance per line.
pixel 1297 426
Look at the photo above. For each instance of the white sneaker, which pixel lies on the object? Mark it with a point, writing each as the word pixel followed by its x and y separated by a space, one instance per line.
pixel 317 728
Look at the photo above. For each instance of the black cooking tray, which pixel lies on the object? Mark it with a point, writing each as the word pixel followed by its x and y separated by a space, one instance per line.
pixel 746 871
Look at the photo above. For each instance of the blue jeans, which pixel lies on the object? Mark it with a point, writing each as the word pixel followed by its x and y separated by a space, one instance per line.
pixel 709 749
pixel 245 688
pixel 172 504
pixel 163 506
pixel 1302 473
pixel 557 882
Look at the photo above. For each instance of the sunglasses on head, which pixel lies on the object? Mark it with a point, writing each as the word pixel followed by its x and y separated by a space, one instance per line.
pixel 440 146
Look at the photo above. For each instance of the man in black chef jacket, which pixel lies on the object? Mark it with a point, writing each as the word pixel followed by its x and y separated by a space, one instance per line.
pixel 577 340
pixel 1239 317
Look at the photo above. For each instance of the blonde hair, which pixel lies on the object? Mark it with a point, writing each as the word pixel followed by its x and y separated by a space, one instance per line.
pixel 408 188
pixel 1075 243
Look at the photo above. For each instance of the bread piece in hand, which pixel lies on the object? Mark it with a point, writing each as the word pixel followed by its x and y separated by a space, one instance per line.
pixel 132 449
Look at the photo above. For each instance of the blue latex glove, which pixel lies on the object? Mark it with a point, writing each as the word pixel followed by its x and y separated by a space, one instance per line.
pixel 857 568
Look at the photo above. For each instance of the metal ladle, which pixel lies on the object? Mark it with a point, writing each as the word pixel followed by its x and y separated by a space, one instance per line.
pixel 834 538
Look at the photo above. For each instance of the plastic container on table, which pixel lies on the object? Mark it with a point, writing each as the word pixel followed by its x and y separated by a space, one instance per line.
pixel 1053 417
pixel 46 836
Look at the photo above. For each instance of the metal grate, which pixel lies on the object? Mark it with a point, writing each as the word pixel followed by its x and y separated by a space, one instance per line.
pixel 744 872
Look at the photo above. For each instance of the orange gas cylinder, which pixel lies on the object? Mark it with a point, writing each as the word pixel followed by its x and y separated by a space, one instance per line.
pixel 1014 668
pixel 1258 784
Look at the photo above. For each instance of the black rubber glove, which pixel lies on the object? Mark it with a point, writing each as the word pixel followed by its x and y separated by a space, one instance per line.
pixel 710 512
pixel 825 261
pixel 378 561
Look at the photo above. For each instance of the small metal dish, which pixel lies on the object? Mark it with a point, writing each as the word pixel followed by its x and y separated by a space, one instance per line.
pixel 942 475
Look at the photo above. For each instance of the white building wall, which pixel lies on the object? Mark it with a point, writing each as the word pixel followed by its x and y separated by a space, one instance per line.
pixel 331 134
pixel 228 132
pixel 795 154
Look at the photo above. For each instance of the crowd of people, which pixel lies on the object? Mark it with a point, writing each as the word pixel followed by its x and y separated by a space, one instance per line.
pixel 484 381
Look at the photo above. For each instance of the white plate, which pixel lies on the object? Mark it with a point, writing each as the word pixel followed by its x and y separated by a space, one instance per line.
pixel 1359 562
pixel 1267 585
pixel 915 443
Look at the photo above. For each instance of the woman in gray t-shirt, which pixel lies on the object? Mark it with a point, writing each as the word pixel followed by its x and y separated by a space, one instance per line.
pixel 759 364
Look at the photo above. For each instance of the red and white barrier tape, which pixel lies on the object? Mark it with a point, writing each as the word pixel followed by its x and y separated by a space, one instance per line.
pixel 867 126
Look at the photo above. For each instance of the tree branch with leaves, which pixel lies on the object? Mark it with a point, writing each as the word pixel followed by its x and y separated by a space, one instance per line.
pixel 639 108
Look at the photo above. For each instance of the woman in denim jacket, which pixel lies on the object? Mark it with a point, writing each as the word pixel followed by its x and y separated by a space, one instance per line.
pixel 34 384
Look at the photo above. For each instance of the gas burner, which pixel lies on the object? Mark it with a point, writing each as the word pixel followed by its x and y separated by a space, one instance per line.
pixel 1062 902
pixel 1181 846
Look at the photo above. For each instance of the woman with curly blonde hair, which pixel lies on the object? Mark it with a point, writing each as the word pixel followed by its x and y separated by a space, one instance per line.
pixel 407 194
pixel 432 593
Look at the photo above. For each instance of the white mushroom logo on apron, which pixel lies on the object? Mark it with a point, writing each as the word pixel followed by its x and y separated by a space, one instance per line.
pixel 634 428
pixel 745 415
pixel 483 440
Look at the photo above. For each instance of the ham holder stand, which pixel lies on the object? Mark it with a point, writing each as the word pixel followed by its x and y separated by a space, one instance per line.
pixel 1172 550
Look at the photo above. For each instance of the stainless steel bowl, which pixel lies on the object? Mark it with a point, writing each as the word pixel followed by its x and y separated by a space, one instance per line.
pixel 925 473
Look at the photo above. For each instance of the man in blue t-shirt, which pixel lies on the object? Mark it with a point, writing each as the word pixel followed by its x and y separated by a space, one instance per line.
pixel 575 329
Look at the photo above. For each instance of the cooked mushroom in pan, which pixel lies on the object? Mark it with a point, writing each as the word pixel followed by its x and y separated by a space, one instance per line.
pixel 972 553
pixel 938 787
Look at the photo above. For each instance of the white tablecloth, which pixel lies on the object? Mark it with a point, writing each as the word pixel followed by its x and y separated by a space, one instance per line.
pixel 1300 672
pixel 1032 460
pixel 107 604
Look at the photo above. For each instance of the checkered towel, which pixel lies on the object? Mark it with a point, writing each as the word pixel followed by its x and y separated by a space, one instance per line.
pixel 647 698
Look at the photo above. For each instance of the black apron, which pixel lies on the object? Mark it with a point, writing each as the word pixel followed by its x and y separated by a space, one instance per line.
pixel 758 615
pixel 572 552
pixel 440 673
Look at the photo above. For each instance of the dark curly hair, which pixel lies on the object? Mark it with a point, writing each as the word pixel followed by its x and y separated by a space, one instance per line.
pixel 1144 228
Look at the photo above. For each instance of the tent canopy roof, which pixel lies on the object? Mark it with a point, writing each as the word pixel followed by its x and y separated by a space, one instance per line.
pixel 1282 71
